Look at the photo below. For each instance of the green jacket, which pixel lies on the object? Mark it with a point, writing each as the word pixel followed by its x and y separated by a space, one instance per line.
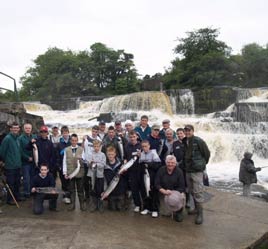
pixel 24 141
pixel 10 151
pixel 196 154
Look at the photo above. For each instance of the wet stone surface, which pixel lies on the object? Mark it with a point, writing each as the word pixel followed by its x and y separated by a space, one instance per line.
pixel 230 222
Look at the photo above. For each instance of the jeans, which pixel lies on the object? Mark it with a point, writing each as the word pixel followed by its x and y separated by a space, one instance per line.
pixel 28 173
pixel 38 205
pixel 13 181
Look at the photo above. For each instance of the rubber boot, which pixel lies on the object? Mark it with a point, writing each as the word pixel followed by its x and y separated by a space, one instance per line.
pixel 82 204
pixel 193 211
pixel 72 205
pixel 178 216
pixel 100 205
pixel 93 204
pixel 199 216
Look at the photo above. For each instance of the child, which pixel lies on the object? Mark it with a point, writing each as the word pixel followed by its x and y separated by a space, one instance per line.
pixel 247 173
pixel 71 156
pixel 42 180
pixel 150 160
pixel 97 161
pixel 113 165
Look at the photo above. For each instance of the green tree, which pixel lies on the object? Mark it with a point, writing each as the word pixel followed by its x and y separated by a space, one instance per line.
pixel 202 61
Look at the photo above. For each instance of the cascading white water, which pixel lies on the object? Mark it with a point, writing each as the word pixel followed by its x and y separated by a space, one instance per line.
pixel 226 139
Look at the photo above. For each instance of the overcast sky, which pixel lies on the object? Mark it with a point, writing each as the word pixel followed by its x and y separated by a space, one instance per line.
pixel 148 29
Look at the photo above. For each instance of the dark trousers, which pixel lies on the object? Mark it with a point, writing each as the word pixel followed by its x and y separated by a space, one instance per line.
pixel 151 202
pixel 134 178
pixel 38 202
pixel 87 183
pixel 27 173
pixel 76 184
pixel 13 181
pixel 99 187
pixel 64 184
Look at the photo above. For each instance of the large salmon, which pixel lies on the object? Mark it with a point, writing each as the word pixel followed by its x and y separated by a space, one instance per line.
pixel 147 182
pixel 127 165
pixel 35 155
pixel 121 148
pixel 76 171
pixel 111 187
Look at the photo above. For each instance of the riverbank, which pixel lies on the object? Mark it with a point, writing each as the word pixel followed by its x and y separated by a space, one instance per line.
pixel 231 221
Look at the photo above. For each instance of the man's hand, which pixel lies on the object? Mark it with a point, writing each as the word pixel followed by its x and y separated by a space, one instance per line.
pixel 66 177
pixel 33 190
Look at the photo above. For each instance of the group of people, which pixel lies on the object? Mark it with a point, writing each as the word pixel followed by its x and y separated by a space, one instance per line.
pixel 157 167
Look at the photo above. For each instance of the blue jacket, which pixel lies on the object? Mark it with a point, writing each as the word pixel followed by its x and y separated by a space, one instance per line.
pixel 143 134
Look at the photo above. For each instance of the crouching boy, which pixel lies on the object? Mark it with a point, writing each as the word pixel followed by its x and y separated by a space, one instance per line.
pixel 44 180
pixel 150 162
pixel 71 161
pixel 96 164
pixel 113 165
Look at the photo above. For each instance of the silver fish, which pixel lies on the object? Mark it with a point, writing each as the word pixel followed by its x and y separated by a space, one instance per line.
pixel 93 177
pixel 121 148
pixel 160 147
pixel 49 190
pixel 111 187
pixel 35 155
pixel 127 165
pixel 76 171
pixel 147 182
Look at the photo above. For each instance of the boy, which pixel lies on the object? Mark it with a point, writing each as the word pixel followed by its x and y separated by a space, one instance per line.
pixel 113 165
pixel 71 156
pixel 150 160
pixel 134 173
pixel 44 180
pixel 88 149
pixel 65 141
pixel 96 162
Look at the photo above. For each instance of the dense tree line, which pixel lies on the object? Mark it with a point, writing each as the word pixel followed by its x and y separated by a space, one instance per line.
pixel 201 60
pixel 100 71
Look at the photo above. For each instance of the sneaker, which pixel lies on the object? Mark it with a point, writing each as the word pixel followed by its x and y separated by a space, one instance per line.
pixel 145 211
pixel 67 200
pixel 137 209
pixel 154 214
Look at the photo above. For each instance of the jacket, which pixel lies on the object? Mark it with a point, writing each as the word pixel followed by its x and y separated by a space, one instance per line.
pixel 196 154
pixel 10 152
pixel 247 172
pixel 143 134
pixel 24 140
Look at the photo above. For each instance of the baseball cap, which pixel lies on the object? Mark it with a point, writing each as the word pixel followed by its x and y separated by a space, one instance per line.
pixel 166 121
pixel 155 127
pixel 188 127
pixel 44 128
pixel 102 122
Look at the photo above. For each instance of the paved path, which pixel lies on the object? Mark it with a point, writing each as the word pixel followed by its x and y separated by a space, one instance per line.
pixel 230 222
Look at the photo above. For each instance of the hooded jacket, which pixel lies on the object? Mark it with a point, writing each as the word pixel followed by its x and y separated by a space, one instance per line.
pixel 247 172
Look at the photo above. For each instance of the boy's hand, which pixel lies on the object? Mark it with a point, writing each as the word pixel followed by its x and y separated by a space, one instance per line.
pixel 33 190
pixel 66 177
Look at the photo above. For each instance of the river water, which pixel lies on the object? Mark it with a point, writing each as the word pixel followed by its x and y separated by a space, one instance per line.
pixel 227 141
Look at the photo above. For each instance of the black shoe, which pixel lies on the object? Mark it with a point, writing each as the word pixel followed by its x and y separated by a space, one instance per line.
pixel 11 203
pixel 178 216
pixel 53 209
pixel 21 199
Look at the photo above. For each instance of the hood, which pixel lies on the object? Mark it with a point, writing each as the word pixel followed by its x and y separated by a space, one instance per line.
pixel 248 155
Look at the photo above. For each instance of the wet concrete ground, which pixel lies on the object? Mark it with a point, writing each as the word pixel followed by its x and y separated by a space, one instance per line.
pixel 230 222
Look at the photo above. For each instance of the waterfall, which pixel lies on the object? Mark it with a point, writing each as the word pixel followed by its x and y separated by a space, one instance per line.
pixel 131 102
pixel 36 106
pixel 182 101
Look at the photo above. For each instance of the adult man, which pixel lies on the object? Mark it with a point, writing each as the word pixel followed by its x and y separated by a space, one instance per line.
pixel 156 143
pixel 112 140
pixel 166 126
pixel 44 180
pixel 178 147
pixel 11 154
pixel 144 129
pixel 169 178
pixel 128 128
pixel 195 159
pixel 27 158
pixel 168 144
pixel 55 136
